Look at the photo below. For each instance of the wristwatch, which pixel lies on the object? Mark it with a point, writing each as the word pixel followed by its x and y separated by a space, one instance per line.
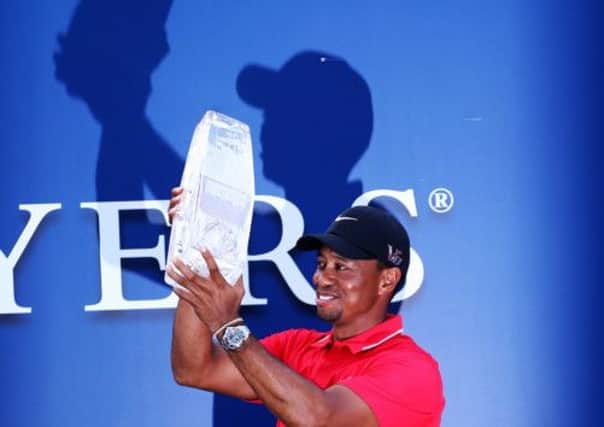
pixel 234 336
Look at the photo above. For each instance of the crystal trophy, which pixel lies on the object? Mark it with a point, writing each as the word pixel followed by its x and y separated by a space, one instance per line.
pixel 218 198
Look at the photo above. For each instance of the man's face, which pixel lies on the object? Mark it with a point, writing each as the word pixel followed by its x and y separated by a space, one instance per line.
pixel 347 289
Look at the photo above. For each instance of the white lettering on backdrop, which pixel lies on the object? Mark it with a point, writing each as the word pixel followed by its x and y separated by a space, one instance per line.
pixel 37 212
pixel 111 254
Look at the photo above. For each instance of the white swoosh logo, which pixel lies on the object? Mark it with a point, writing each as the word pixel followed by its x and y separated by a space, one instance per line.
pixel 346 218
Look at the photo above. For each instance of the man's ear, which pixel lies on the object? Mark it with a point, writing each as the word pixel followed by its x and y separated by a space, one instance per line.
pixel 389 278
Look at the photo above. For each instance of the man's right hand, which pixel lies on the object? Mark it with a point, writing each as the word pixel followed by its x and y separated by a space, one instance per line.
pixel 175 200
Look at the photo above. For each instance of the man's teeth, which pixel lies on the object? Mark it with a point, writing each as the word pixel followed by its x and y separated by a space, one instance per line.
pixel 325 297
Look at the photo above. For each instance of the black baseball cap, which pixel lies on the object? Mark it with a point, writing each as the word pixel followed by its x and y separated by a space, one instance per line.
pixel 364 232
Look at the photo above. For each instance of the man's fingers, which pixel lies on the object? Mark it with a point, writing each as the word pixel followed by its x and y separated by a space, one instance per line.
pixel 185 294
pixel 172 213
pixel 175 200
pixel 174 207
pixel 189 279
pixel 212 266
pixel 183 288
pixel 194 295
pixel 176 275
pixel 184 269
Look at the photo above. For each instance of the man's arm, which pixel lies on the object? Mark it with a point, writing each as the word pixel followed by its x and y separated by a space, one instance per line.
pixel 294 399
pixel 291 397
pixel 196 362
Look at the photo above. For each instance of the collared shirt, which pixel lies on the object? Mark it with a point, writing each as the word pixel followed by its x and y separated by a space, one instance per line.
pixel 398 380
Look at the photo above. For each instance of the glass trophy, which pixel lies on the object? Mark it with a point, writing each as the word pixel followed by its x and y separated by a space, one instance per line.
pixel 218 198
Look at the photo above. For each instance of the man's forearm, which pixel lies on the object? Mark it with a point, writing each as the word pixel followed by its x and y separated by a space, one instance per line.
pixel 291 397
pixel 191 344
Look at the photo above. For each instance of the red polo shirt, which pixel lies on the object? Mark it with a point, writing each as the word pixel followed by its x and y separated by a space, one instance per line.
pixel 398 380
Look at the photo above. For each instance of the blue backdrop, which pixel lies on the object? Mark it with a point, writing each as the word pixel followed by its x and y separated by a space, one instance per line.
pixel 497 103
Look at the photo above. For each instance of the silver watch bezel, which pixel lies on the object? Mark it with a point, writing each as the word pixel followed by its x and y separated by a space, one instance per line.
pixel 234 337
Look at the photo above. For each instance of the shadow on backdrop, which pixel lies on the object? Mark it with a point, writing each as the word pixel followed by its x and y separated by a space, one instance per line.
pixel 106 59
pixel 318 121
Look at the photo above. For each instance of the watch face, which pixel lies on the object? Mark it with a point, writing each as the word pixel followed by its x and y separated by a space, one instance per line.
pixel 234 336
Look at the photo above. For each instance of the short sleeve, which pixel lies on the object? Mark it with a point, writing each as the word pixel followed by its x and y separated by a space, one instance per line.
pixel 401 393
pixel 287 344
pixel 276 344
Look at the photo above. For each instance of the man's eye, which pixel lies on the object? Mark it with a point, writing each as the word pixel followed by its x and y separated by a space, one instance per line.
pixel 340 267
pixel 320 265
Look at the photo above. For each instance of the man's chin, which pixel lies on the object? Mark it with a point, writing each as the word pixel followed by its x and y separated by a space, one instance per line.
pixel 329 315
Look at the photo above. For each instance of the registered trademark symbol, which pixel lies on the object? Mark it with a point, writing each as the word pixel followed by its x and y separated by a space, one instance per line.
pixel 441 200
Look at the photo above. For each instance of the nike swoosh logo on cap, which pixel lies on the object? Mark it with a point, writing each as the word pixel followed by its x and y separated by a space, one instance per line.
pixel 346 218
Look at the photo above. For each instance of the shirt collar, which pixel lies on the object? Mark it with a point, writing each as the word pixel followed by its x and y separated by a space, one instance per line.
pixel 371 338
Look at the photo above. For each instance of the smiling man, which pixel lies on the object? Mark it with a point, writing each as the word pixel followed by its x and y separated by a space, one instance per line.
pixel 364 372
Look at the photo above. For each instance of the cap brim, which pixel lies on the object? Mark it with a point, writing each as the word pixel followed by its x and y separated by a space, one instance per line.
pixel 339 245
pixel 255 83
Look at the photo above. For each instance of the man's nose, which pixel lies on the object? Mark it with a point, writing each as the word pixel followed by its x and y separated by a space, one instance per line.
pixel 322 279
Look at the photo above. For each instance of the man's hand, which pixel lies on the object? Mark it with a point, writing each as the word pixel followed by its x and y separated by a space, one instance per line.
pixel 175 200
pixel 214 300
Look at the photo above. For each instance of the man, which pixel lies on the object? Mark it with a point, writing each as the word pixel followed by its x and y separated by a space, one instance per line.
pixel 364 372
